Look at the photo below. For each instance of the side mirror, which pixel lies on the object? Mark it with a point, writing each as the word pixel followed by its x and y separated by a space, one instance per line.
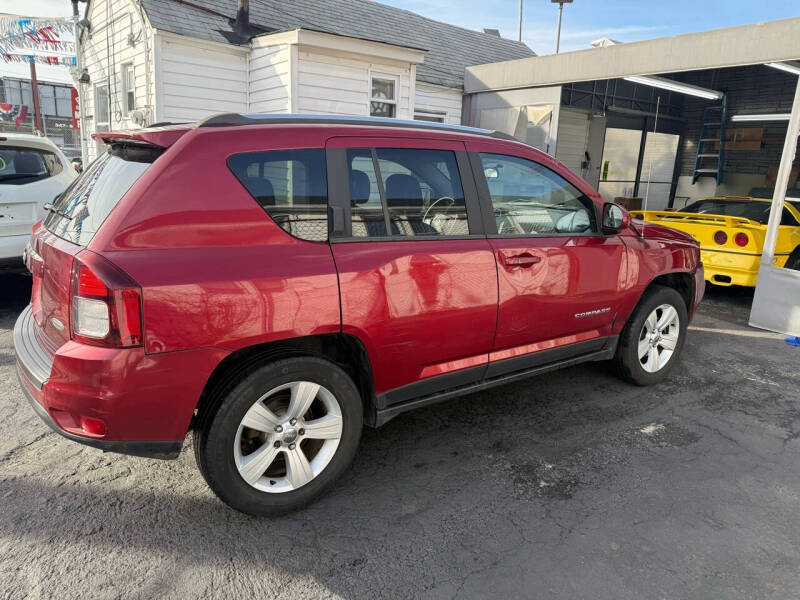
pixel 615 218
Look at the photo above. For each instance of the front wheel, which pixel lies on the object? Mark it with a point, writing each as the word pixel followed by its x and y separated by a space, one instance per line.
pixel 653 337
pixel 281 436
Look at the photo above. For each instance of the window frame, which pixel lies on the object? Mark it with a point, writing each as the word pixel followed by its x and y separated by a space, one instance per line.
pixel 430 116
pixel 339 188
pixel 128 87
pixel 490 224
pixel 96 104
pixel 395 79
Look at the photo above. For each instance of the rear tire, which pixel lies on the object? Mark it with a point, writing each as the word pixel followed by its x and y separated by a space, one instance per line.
pixel 793 262
pixel 281 435
pixel 653 338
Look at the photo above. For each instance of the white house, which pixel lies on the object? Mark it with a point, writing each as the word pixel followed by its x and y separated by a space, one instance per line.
pixel 152 61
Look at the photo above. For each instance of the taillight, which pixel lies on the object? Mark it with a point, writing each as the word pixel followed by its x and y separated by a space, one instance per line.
pixel 106 304
pixel 720 237
pixel 741 239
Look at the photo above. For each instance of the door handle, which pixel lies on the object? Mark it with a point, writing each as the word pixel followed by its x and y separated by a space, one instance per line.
pixel 525 259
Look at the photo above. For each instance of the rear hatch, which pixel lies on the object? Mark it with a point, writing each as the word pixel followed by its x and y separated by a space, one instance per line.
pixel 70 224
pixel 25 184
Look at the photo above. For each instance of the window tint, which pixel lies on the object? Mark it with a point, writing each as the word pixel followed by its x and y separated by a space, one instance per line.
pixel 20 165
pixel 530 199
pixel 78 213
pixel 291 186
pixel 422 193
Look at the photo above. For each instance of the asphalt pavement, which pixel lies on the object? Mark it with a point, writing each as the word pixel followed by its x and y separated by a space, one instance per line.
pixel 573 485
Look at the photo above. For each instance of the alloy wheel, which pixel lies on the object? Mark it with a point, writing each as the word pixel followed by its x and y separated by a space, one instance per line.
pixel 288 437
pixel 658 338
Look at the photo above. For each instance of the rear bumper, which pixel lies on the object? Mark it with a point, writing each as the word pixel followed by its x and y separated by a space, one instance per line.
pixel 699 287
pixel 11 246
pixel 146 402
pixel 731 268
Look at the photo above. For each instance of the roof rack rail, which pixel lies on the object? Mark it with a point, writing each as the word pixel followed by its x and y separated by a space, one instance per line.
pixel 240 119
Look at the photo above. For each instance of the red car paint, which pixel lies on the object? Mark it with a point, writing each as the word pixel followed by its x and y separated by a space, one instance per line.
pixel 218 275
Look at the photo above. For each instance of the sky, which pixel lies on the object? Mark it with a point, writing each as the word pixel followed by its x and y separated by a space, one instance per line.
pixel 584 20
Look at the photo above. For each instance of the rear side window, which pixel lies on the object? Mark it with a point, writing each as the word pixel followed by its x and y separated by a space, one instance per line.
pixel 79 212
pixel 20 165
pixel 291 186
pixel 413 192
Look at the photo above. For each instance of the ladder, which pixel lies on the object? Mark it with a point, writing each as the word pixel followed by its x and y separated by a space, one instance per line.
pixel 710 158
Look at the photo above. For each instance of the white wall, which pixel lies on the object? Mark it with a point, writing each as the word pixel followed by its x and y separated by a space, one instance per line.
pixel 270 79
pixel 573 137
pixel 334 82
pixel 439 99
pixel 113 21
pixel 197 79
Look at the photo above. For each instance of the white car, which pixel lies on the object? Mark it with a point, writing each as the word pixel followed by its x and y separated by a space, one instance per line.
pixel 33 171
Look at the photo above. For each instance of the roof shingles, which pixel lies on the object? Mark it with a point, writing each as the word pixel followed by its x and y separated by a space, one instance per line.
pixel 449 49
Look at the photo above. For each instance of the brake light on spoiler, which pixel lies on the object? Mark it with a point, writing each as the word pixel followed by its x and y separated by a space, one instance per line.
pixel 105 304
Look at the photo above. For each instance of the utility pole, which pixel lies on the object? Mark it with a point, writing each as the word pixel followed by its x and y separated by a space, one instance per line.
pixel 519 35
pixel 37 108
pixel 561 4
pixel 76 17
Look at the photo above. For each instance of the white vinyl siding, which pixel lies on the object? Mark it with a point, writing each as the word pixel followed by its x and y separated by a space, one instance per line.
pixel 270 79
pixel 109 38
pixel 573 134
pixel 439 100
pixel 337 83
pixel 197 81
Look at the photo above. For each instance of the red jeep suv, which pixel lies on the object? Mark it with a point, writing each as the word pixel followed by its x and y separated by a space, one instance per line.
pixel 272 283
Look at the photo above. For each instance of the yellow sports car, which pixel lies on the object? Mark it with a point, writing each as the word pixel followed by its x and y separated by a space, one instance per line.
pixel 731 233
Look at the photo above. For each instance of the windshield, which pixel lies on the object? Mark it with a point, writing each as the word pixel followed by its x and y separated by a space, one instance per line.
pixel 20 165
pixel 79 212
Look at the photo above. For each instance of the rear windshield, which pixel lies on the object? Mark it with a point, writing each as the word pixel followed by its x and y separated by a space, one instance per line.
pixel 20 165
pixel 78 213
pixel 755 211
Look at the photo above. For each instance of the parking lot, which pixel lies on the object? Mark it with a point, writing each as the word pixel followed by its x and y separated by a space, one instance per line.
pixel 572 485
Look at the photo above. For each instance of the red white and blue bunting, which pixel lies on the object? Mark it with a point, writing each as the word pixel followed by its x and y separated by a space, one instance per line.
pixel 13 112
pixel 40 35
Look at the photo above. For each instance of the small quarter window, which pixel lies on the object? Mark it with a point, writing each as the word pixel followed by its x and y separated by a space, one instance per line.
pixel 291 186
pixel 383 96
pixel 530 199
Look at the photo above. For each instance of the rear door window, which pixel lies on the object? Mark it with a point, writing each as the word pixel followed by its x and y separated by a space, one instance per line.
pixel 79 212
pixel 290 185
pixel 20 165
pixel 415 192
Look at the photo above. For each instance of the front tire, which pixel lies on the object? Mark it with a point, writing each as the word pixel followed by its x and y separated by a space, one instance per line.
pixel 281 435
pixel 653 338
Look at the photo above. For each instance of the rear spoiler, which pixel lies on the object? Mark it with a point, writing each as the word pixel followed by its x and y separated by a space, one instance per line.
pixel 694 218
pixel 161 137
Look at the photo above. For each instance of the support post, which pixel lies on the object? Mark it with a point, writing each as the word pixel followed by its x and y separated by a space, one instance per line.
pixel 784 170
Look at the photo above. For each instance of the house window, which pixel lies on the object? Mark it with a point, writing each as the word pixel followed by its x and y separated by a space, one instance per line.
pixel 47 99
pixel 64 101
pixel 129 87
pixel 101 103
pixel 429 115
pixel 383 96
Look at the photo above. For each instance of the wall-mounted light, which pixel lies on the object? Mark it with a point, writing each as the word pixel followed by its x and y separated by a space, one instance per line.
pixel 675 86
pixel 789 67
pixel 761 117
